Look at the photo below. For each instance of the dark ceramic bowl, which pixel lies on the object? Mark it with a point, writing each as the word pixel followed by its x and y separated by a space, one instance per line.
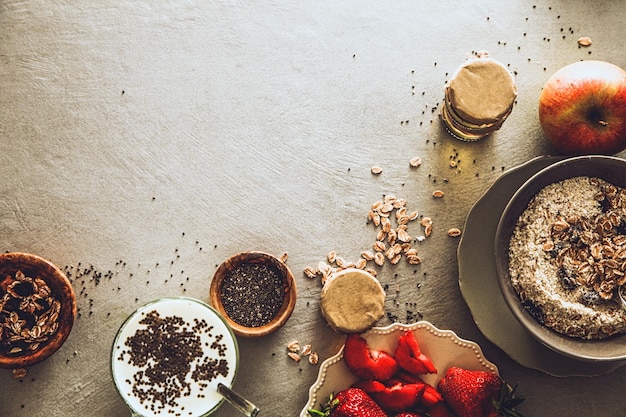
pixel 610 169
pixel 272 263
pixel 60 288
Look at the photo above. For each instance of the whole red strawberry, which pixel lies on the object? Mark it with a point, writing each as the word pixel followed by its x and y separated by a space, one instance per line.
pixel 351 402
pixel 368 363
pixel 478 394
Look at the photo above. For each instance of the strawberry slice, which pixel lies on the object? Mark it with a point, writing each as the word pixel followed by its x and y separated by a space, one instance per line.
pixel 368 363
pixel 410 357
pixel 408 414
pixel 431 397
pixel 370 386
pixel 440 410
pixel 398 396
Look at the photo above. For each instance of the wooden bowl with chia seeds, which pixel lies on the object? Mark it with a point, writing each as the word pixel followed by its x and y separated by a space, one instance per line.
pixel 37 309
pixel 255 292
pixel 560 251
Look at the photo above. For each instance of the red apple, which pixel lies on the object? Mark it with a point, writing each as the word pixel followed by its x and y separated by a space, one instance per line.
pixel 582 108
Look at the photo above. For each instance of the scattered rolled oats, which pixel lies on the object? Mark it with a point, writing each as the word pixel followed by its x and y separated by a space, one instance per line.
pixel 415 161
pixel 293 346
pixel 361 263
pixel 438 193
pixel 313 358
pixel 376 170
pixel 19 373
pixel 306 350
pixel 403 236
pixel 584 41
pixel 379 246
pixel 454 232
pixel 367 255
pixel 332 256
pixel 29 314
pixel 310 272
pixel 395 259
pixel 371 271
pixel 294 356
pixel 379 259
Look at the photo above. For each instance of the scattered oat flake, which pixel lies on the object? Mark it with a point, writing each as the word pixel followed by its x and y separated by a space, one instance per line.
pixel 376 170
pixel 426 221
pixel 438 193
pixel 293 346
pixel 19 373
pixel 584 41
pixel 332 256
pixel 306 350
pixel 294 356
pixel 361 263
pixel 313 358
pixel 284 257
pixel 310 272
pixel 415 162
pixel 454 232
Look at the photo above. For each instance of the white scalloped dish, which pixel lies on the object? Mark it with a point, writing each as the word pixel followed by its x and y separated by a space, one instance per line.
pixel 443 347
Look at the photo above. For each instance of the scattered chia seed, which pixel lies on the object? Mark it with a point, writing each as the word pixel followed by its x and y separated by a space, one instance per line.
pixel 252 294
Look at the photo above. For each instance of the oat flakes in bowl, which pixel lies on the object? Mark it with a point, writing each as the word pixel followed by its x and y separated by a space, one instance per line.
pixel 561 255
pixel 37 309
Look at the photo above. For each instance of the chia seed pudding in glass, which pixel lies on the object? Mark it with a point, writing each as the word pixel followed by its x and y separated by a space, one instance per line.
pixel 169 356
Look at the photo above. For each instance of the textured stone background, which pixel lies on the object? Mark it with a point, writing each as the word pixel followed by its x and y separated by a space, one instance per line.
pixel 253 126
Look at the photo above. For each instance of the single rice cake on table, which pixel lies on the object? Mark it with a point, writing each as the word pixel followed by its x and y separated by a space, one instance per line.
pixel 352 301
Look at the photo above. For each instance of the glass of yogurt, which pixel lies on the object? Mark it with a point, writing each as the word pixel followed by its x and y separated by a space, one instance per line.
pixel 176 357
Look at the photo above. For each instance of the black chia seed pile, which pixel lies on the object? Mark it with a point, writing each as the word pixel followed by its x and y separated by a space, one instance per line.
pixel 252 294
pixel 168 351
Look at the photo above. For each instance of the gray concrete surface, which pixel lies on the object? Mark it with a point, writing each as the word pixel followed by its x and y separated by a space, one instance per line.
pixel 177 133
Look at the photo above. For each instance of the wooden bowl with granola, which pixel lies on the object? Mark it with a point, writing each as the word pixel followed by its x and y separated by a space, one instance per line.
pixel 560 254
pixel 37 309
pixel 255 292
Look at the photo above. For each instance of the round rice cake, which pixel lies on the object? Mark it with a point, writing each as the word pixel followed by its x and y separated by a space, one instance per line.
pixel 352 301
